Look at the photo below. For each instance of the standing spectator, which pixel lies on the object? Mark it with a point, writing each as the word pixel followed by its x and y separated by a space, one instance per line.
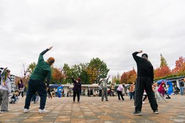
pixel 36 82
pixel 21 88
pixel 181 83
pixel 100 90
pixel 104 83
pixel 132 90
pixel 145 75
pixel 176 90
pixel 120 91
pixel 76 89
pixel 124 89
pixel 89 92
pixel 5 90
pixel 59 91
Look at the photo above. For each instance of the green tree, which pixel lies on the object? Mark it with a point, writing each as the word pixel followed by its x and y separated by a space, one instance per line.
pixel 31 67
pixel 163 61
pixel 96 70
pixel 116 79
pixel 77 71
pixel 67 74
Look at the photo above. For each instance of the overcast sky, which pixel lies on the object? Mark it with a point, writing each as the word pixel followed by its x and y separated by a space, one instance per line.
pixel 79 30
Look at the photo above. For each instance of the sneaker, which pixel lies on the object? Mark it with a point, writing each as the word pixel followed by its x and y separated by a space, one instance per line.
pixel 143 102
pixel 156 112
pixel 137 113
pixel 26 110
pixel 43 111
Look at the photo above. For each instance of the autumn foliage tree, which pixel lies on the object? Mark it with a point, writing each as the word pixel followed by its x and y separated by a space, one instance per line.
pixel 179 66
pixel 163 70
pixel 57 76
pixel 129 77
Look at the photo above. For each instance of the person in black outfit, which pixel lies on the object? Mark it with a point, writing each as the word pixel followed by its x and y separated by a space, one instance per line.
pixel 145 75
pixel 76 89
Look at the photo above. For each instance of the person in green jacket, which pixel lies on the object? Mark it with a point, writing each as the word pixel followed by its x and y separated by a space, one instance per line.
pixel 36 83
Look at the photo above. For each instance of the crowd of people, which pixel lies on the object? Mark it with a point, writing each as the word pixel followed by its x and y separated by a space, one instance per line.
pixel 140 90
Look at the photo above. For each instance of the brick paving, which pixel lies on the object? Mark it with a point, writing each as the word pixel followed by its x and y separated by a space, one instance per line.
pixel 93 110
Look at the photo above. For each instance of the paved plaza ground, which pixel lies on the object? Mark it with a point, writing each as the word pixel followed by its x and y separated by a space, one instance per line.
pixel 93 110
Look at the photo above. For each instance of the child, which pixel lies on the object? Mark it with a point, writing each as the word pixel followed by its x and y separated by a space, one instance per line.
pixel 14 97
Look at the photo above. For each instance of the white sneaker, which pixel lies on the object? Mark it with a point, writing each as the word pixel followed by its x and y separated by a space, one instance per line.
pixel 43 111
pixel 26 110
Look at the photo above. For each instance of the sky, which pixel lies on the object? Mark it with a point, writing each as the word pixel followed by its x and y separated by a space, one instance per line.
pixel 80 30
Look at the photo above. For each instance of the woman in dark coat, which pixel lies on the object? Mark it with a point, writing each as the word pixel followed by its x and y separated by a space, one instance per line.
pixel 76 88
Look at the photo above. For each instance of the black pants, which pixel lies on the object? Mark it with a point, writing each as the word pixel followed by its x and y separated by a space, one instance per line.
pixel 100 93
pixel 33 87
pixel 120 94
pixel 74 96
pixel 141 84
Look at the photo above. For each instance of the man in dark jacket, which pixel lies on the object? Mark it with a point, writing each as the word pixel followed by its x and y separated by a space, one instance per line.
pixel 36 82
pixel 76 89
pixel 145 75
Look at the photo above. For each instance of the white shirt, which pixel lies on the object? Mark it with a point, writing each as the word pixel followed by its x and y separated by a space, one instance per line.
pixel 6 86
pixel 120 87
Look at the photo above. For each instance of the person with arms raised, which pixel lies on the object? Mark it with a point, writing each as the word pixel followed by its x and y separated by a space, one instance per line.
pixel 36 83
pixel 145 76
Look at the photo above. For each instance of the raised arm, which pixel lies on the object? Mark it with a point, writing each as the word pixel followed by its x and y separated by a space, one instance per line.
pixel 73 80
pixel 136 58
pixel 108 78
pixel 42 53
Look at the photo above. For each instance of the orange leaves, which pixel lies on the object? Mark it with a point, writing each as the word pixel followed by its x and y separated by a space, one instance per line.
pixel 129 76
pixel 162 71
pixel 57 74
pixel 179 66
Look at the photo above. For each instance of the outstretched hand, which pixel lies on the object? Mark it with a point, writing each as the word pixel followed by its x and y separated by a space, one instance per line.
pixel 50 48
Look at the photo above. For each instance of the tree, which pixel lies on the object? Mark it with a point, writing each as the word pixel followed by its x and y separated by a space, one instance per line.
pixel 116 79
pixel 77 71
pixel 96 70
pixel 179 66
pixel 163 70
pixel 129 77
pixel 163 61
pixel 31 67
pixel 57 76
pixel 132 76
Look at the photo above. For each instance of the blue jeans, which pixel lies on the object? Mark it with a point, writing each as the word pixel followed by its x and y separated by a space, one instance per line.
pixel 182 90
pixel 33 87
pixel 131 95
